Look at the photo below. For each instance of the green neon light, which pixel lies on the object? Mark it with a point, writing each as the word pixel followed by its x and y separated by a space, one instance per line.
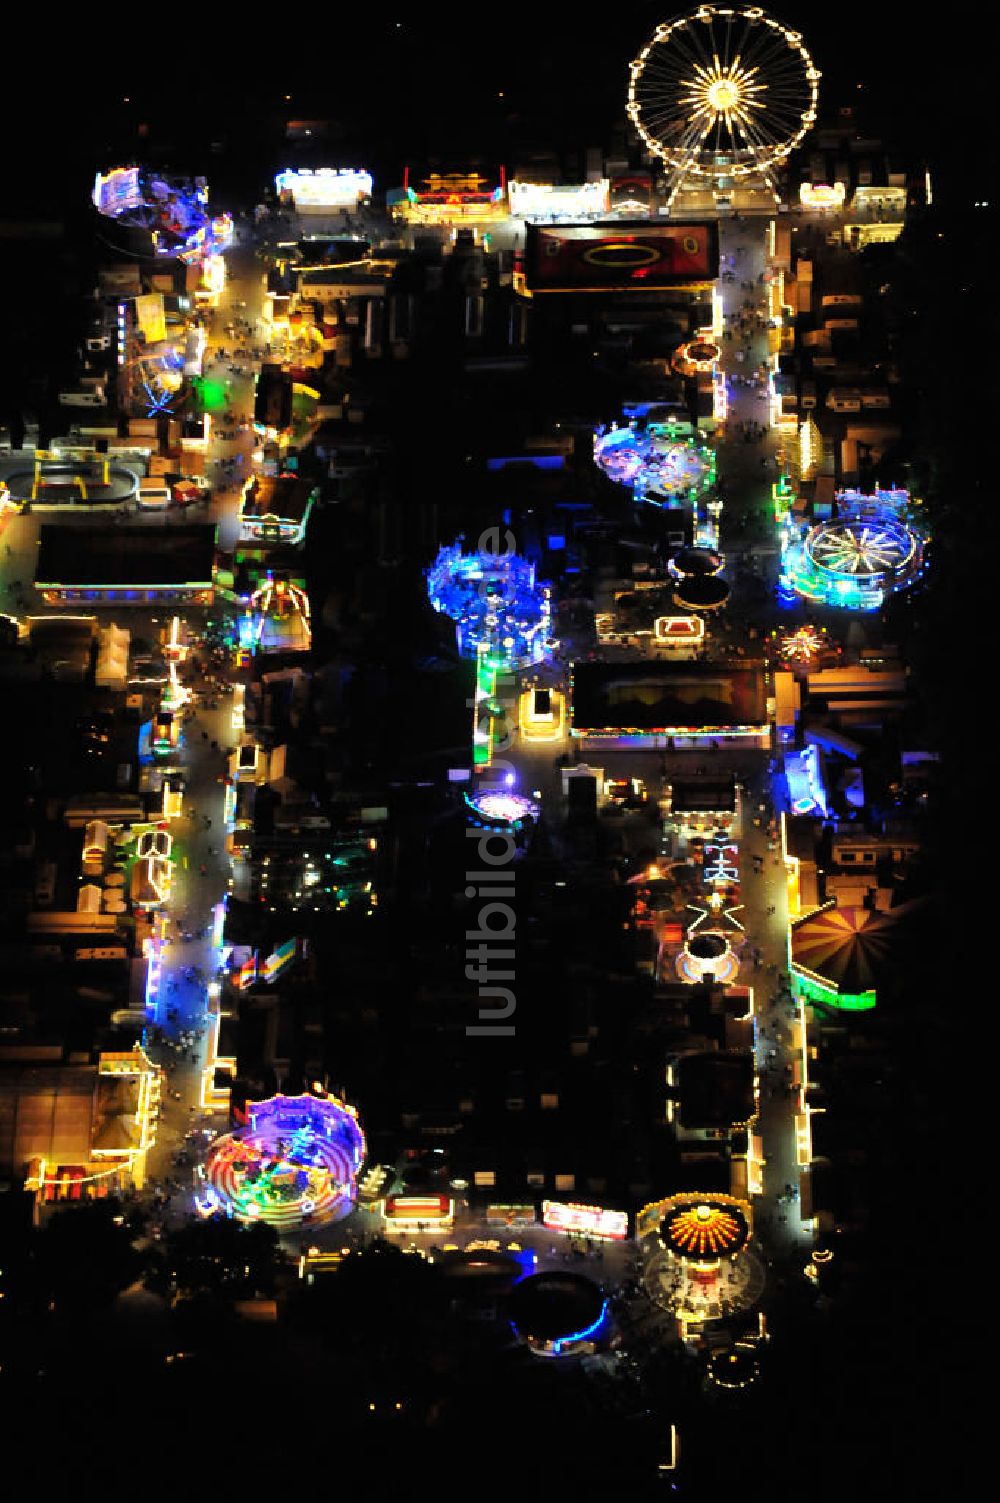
pixel 486 683
pixel 830 996
pixel 212 394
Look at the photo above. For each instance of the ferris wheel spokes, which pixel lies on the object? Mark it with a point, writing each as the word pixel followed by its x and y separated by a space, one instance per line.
pixel 722 93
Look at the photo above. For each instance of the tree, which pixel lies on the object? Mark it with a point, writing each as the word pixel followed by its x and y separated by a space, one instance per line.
pixel 222 1257
pixel 84 1256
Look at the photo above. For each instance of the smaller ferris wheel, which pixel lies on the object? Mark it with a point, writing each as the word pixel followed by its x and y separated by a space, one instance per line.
pixel 723 93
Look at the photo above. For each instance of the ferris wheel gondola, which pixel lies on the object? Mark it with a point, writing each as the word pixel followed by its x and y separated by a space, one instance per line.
pixel 723 93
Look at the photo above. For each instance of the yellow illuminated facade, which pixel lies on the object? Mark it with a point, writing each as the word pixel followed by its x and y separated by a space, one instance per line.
pixel 535 726
pixel 452 199
pixel 123 1130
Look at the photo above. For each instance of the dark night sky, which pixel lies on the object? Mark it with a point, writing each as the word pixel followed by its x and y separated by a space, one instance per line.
pixel 417 88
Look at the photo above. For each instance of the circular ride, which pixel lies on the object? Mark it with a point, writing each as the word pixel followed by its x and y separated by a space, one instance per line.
pixel 854 562
pixel 698 1263
pixel 872 548
pixel 802 646
pixel 704 1230
pixel 499 608
pixel 734 1367
pixel 498 808
pixel 701 593
pixel 861 550
pixel 557 1314
pixel 695 563
pixel 296 1160
pixel 658 460
pixel 696 357
pixel 707 957
pixel 723 93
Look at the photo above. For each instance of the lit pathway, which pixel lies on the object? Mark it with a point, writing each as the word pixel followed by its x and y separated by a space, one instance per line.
pixel 778 1224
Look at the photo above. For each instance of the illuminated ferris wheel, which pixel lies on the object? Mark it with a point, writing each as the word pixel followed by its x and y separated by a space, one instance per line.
pixel 861 548
pixel 723 92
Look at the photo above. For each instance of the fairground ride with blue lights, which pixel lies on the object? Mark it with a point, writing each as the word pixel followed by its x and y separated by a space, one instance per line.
pixel 665 465
pixel 167 216
pixel 502 614
pixel 873 548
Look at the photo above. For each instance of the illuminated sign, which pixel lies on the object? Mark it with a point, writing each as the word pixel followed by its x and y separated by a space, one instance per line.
pixel 681 631
pixel 409 1210
pixel 584 1221
pixel 549 200
pixel 515 1215
pixel 280 958
pixel 721 863
pixel 632 193
pixel 149 315
pixel 326 188
pixel 624 255
pixel 246 974
pixel 821 195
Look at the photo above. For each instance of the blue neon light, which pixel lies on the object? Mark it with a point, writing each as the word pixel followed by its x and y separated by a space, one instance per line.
pixel 804 777
pixel 564 1341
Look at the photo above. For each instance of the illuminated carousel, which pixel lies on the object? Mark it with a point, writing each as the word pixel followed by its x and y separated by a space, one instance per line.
pixel 698 1264
pixel 701 593
pixel 708 956
pixel 870 550
pixel 500 809
pixel 734 1368
pixel 296 1161
pixel 501 612
pixel 559 1314
pixel 695 563
pixel 801 648
pixel 697 357
pixel 663 464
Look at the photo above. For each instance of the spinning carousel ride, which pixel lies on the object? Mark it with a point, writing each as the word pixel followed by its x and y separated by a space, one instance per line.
pixel 663 464
pixel 296 1160
pixel 698 1264
pixel 502 613
pixel 870 550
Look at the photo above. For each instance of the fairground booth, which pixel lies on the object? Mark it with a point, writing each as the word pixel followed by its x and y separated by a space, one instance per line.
pixel 323 190
pixel 126 566
pixel 79 1131
pixel 451 200
pixel 668 706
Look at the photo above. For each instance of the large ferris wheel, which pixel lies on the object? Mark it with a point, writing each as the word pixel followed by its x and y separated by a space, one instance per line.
pixel 723 93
